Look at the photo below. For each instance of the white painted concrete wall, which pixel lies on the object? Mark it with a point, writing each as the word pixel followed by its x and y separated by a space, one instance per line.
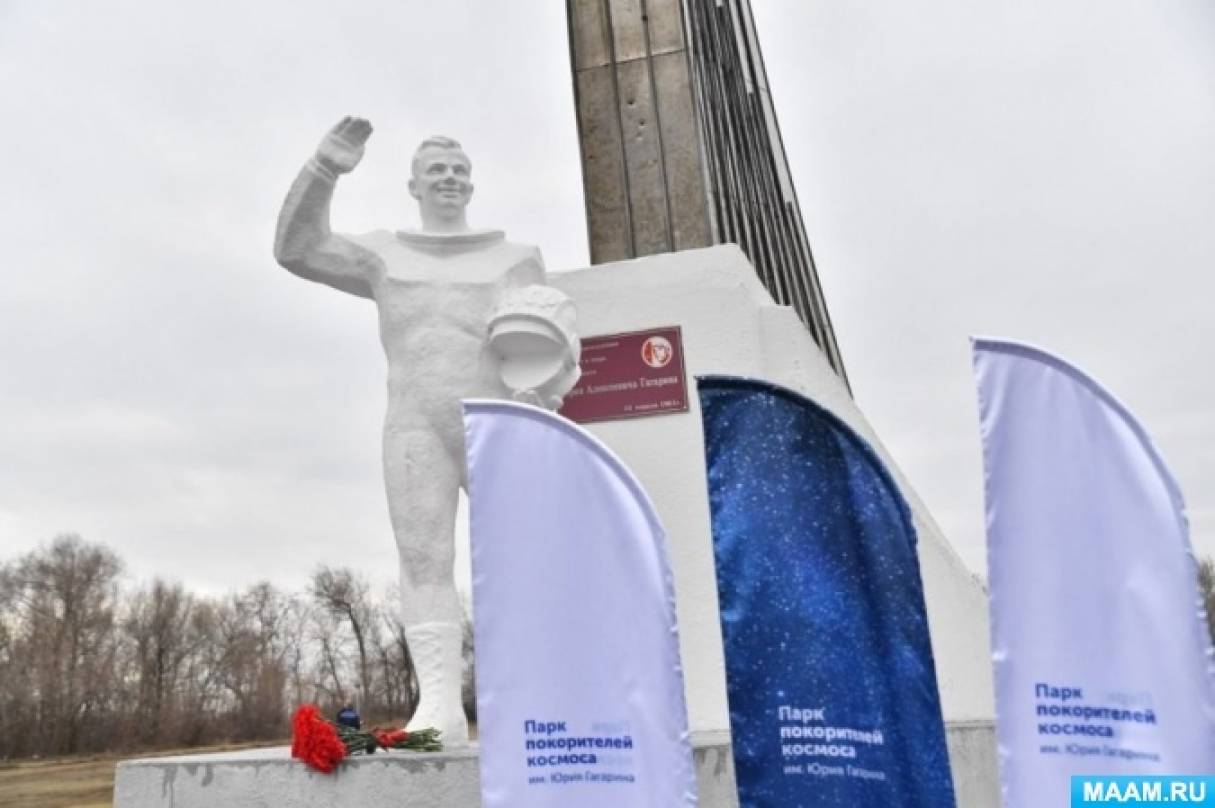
pixel 731 326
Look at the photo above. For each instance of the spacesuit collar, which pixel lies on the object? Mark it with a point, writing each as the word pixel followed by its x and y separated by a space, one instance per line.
pixel 421 238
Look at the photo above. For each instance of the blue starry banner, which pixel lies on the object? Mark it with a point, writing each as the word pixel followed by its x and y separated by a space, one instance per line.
pixel 829 671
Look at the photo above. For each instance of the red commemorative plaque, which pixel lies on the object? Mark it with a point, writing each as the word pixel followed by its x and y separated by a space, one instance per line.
pixel 628 376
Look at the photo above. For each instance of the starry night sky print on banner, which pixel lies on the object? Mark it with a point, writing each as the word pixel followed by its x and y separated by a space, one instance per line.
pixel 832 690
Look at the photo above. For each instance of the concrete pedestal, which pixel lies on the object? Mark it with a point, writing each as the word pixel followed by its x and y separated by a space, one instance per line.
pixel 259 778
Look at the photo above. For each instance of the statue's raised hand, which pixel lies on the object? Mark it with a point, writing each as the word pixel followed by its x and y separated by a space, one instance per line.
pixel 342 147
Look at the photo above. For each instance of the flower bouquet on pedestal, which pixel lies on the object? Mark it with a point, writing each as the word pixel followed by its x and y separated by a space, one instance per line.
pixel 322 744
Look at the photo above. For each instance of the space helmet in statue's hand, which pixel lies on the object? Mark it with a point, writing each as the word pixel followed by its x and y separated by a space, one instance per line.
pixel 533 334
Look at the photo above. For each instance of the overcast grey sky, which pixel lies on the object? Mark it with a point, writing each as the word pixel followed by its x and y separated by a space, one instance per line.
pixel 1043 170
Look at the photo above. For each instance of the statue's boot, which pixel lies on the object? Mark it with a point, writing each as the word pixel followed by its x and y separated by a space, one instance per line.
pixel 437 658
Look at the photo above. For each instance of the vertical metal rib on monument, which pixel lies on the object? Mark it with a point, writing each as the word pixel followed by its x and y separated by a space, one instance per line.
pixel 681 147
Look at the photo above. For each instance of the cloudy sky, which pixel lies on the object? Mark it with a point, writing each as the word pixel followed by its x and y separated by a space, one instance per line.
pixel 1043 170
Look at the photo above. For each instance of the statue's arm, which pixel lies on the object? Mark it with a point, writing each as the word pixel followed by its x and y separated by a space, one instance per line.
pixel 303 242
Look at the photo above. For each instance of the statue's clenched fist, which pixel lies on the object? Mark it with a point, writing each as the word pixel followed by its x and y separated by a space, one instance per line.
pixel 342 148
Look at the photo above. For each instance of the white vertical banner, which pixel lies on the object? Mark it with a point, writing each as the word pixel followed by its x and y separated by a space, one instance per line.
pixel 580 695
pixel 1101 652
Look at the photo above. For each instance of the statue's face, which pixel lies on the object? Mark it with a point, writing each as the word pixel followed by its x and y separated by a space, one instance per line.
pixel 441 181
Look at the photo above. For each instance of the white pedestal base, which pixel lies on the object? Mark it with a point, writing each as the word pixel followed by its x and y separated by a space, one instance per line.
pixel 257 778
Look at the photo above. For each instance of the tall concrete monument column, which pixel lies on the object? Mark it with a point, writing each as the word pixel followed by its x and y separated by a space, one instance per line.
pixel 681 147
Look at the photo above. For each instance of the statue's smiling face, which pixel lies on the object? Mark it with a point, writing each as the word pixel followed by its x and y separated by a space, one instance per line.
pixel 441 181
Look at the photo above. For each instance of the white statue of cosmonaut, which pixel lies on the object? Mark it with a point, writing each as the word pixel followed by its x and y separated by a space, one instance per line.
pixel 463 314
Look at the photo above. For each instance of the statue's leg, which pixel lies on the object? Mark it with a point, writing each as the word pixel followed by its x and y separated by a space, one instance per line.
pixel 423 481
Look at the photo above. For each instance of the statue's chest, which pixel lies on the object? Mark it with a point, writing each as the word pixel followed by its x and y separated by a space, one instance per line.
pixel 413 267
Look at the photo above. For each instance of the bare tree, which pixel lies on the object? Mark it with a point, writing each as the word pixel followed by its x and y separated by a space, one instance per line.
pixel 64 598
pixel 400 677
pixel 468 684
pixel 345 595
pixel 252 668
pixel 17 715
pixel 328 641
pixel 157 625
pixel 296 619
pixel 1206 590
pixel 200 681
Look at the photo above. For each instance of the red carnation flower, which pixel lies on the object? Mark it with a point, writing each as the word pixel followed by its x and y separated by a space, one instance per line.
pixel 390 739
pixel 314 740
